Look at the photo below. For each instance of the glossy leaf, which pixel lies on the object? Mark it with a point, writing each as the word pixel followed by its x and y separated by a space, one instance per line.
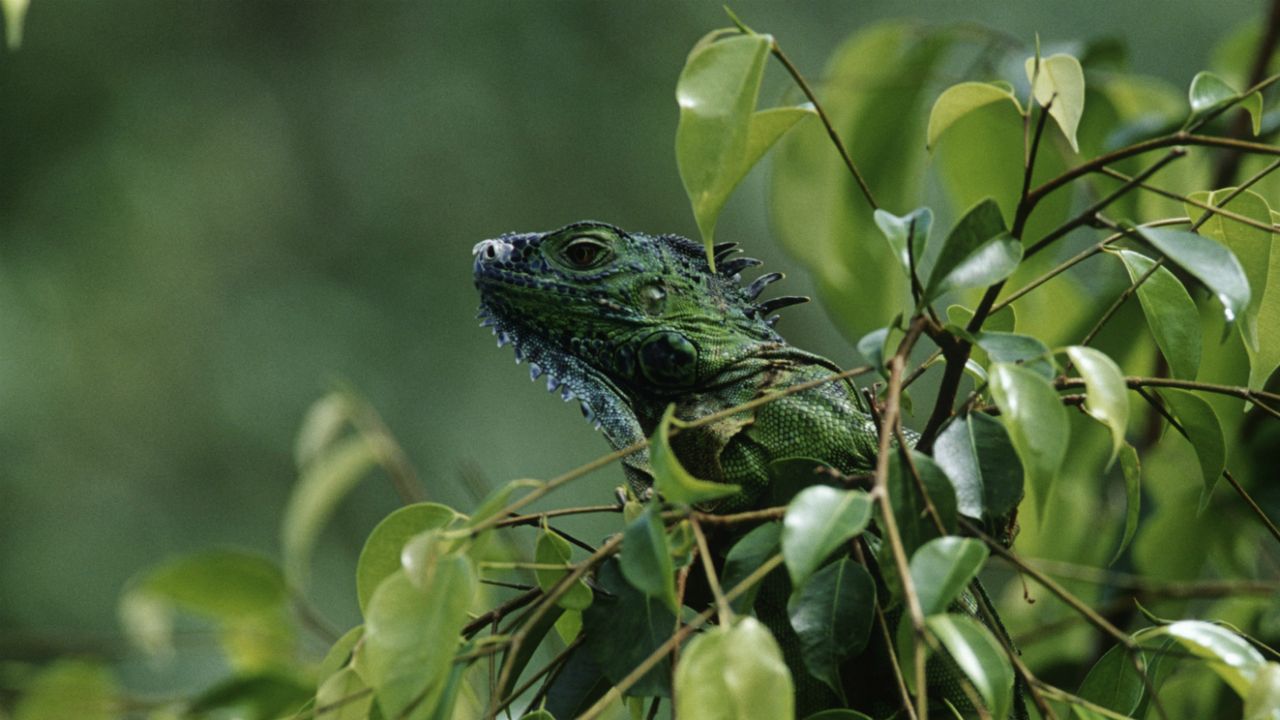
pixel 646 558
pixel 1262 702
pixel 1059 85
pixel 832 616
pixel 552 549
pixel 942 568
pixel 979 656
pixel 1229 655
pixel 670 479
pixel 915 525
pixel 1114 683
pixel 1008 347
pixel 623 627
pixel 342 691
pixel 720 136
pixel 819 520
pixel 411 634
pixel 1037 425
pixel 980 461
pixel 734 673
pixel 908 235
pixel 1106 395
pixel 66 689
pixel 745 557
pixel 1259 254
pixel 1211 263
pixel 961 99
pixel 324 482
pixel 978 252
pixel 1131 469
pixel 380 555
pixel 1209 91
pixel 1201 427
pixel 1170 313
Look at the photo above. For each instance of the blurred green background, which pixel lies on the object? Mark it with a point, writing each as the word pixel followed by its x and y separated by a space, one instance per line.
pixel 210 211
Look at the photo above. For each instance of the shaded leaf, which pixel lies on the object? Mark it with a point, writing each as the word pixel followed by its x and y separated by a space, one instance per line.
pixel 1025 350
pixel 1132 471
pixel 340 653
pixel 646 558
pixel 1262 702
pixel 1209 91
pixel 1211 263
pixel 832 616
pixel 1114 683
pixel 380 555
pixel 1170 313
pixel 961 99
pixel 1037 425
pixel 734 673
pixel 978 252
pixel 818 521
pixel 915 526
pixel 1002 320
pixel 941 569
pixel 745 557
pixel 552 549
pixel 838 714
pixel 342 691
pixel 70 689
pixel 1106 396
pixel 979 656
pixel 979 459
pixel 622 628
pixel 257 696
pixel 670 479
pixel 1059 85
pixel 1201 427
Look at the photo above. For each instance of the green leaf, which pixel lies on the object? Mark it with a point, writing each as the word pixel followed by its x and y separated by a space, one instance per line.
pixel 915 526
pixel 941 569
pixel 1170 312
pixel 670 479
pixel 1253 105
pixel 15 12
pixel 381 553
pixel 552 549
pixel 818 521
pixel 720 136
pixel 622 628
pixel 734 673
pixel 646 558
pixel 978 252
pixel 1230 656
pixel 1114 683
pixel 1262 702
pixel 257 696
pixel 1132 471
pixel 411 634
pixel 324 482
pixel 745 557
pixel 832 616
pixel 341 691
pixel 908 235
pixel 1106 396
pixel 1025 350
pixel 538 715
pixel 1209 92
pixel 1259 254
pixel 500 498
pixel 1211 263
pixel 979 459
pixel 1037 423
pixel 340 654
pixel 66 689
pixel 1002 320
pixel 979 656
pixel 960 100
pixel 1201 427
pixel 1059 85
pixel 838 714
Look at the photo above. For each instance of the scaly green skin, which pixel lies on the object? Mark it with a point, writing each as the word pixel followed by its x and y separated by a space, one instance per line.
pixel 629 323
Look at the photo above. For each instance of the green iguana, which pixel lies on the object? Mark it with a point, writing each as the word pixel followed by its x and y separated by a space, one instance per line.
pixel 628 323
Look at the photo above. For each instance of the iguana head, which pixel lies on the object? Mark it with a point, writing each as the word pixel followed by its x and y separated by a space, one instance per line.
pixel 590 304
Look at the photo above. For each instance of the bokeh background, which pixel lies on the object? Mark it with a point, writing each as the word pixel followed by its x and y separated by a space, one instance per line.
pixel 212 211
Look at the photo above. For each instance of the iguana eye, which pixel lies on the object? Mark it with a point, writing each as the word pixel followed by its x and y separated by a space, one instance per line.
pixel 585 252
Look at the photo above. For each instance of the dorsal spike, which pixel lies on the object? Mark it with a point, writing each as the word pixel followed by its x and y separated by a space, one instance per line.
pixel 737 265
pixel 719 250
pixel 757 286
pixel 772 320
pixel 774 304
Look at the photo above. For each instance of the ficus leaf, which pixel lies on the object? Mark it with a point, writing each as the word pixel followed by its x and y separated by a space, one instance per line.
pixel 1211 262
pixel 734 673
pixel 977 455
pixel 1106 396
pixel 1037 423
pixel 380 555
pixel 980 656
pixel 832 616
pixel 941 569
pixel 979 251
pixel 961 99
pixel 818 521
pixel 1170 313
pixel 646 558
pixel 1200 425
pixel 670 479
pixel 1059 85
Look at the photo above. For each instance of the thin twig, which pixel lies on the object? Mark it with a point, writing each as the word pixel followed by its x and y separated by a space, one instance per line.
pixel 1253 505
pixel 1210 209
pixel 704 552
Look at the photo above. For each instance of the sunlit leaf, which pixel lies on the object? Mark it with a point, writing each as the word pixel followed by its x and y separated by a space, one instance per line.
pixel 15 13
pixel 646 558
pixel 1259 254
pixel 1211 263
pixel 959 100
pixel 1230 656
pixel 380 555
pixel 978 252
pixel 832 616
pixel 907 235
pixel 1037 423
pixel 1059 85
pixel 65 689
pixel 734 673
pixel 1262 702
pixel 1106 396
pixel 1132 471
pixel 347 694
pixel 1208 92
pixel 980 461
pixel 819 520
pixel 979 656
pixel 552 549
pixel 1203 430
pixel 915 525
pixel 1170 312
pixel 745 557
pixel 941 569
pixel 411 633
pixel 670 479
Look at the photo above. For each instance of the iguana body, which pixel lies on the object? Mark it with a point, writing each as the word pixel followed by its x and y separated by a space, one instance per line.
pixel 628 323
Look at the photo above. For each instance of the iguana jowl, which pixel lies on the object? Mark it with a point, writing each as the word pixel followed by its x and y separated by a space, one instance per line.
pixel 628 323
